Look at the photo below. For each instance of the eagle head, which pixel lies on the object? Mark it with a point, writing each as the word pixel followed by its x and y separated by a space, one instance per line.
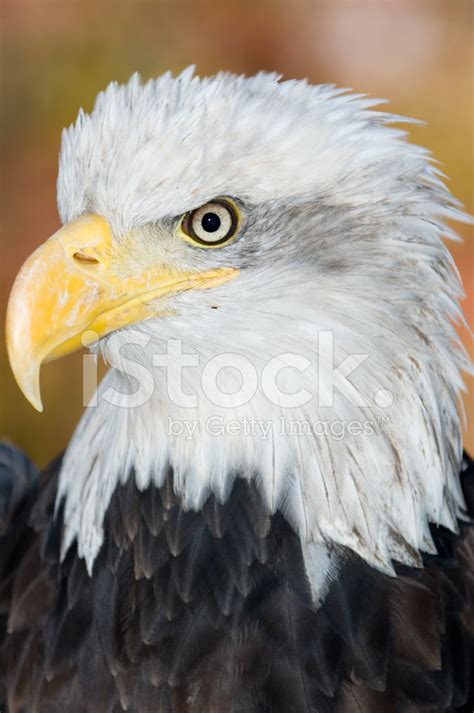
pixel 262 265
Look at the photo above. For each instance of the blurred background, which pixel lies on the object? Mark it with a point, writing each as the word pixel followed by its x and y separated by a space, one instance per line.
pixel 55 57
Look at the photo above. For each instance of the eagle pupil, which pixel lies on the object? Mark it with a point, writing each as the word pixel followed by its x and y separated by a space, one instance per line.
pixel 211 222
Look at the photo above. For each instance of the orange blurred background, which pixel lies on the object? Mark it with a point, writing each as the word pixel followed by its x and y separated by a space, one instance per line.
pixel 55 57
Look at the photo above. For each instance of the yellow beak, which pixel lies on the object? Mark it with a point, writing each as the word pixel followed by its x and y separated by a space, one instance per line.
pixel 75 289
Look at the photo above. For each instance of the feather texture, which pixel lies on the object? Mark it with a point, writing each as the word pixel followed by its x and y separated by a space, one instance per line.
pixel 183 614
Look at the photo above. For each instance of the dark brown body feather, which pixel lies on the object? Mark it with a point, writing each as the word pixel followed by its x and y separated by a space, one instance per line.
pixel 211 612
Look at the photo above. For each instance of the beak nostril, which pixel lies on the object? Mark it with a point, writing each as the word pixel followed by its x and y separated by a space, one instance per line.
pixel 84 258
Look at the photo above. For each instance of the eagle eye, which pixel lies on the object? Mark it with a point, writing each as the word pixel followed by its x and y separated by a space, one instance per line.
pixel 213 224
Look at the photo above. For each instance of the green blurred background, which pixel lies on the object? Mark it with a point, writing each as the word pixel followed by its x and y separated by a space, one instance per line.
pixel 55 57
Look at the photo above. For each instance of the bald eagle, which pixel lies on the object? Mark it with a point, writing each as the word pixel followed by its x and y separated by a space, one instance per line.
pixel 265 508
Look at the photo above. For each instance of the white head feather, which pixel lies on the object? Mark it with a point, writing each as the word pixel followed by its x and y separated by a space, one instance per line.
pixel 342 234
